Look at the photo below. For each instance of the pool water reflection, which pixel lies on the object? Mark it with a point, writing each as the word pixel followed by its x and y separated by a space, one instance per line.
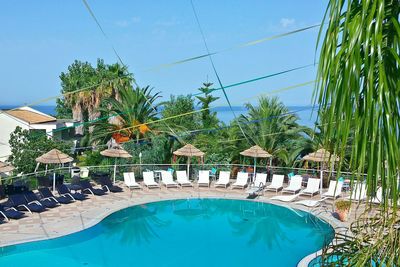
pixel 195 232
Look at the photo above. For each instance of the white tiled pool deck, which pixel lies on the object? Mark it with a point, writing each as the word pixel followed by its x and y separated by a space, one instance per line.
pixel 78 216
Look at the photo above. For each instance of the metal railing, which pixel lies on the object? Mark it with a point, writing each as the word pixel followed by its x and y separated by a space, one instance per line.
pixel 31 178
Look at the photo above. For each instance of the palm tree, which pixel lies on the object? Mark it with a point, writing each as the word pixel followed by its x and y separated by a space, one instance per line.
pixel 358 89
pixel 272 126
pixel 96 83
pixel 128 116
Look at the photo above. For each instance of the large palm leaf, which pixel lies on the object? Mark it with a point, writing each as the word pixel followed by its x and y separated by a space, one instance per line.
pixel 359 89
pixel 128 116
pixel 273 127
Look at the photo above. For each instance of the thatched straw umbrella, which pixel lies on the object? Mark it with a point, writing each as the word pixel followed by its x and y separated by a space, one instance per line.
pixel 115 152
pixel 189 151
pixel 255 152
pixel 321 156
pixel 54 156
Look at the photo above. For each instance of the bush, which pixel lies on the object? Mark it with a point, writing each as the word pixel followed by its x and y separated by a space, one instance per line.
pixel 26 146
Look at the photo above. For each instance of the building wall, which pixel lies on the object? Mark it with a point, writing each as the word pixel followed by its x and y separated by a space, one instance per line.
pixel 7 126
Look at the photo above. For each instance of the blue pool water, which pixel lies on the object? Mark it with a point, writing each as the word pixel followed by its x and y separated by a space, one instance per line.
pixel 196 232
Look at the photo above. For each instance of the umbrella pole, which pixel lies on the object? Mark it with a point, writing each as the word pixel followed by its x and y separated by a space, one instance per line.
pixel 188 168
pixel 255 167
pixel 321 181
pixel 115 169
pixel 54 180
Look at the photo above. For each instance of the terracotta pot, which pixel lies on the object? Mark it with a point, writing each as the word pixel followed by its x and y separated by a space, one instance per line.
pixel 343 214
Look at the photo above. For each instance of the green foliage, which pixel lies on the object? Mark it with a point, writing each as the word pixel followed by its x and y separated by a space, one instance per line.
pixel 358 89
pixel 26 146
pixel 156 151
pixel 272 126
pixel 209 119
pixel 180 105
pixel 91 158
pixel 93 85
pixel 127 115
pixel 62 110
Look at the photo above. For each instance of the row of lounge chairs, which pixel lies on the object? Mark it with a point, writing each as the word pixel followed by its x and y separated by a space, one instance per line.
pixel 358 193
pixel 44 199
pixel 183 181
pixel 242 181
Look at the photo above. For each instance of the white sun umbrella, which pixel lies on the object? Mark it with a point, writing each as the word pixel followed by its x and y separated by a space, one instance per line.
pixel 255 152
pixel 54 156
pixel 321 156
pixel 189 151
pixel 115 152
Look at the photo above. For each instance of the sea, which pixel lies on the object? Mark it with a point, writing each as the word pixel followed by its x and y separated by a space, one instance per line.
pixel 307 114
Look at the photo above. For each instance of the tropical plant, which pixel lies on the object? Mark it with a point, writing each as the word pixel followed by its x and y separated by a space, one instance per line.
pixel 84 87
pixel 128 117
pixel 178 105
pixel 359 86
pixel 271 125
pixel 27 145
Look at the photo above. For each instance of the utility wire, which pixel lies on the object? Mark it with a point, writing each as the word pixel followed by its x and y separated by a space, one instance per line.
pixel 189 113
pixel 210 130
pixel 119 58
pixel 215 70
pixel 101 29
pixel 251 43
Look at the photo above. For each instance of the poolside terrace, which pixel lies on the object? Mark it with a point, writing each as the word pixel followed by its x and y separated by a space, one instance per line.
pixel 80 215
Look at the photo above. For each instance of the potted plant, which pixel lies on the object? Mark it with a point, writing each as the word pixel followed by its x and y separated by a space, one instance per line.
pixel 342 208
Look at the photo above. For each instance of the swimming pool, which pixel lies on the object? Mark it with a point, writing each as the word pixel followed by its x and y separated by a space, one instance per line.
pixel 193 232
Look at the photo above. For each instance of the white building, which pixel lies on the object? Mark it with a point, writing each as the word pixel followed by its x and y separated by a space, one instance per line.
pixel 33 120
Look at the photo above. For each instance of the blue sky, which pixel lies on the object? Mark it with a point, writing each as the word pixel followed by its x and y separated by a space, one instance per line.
pixel 40 39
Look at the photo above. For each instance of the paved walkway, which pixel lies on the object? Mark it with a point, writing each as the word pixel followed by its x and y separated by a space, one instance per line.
pixel 78 216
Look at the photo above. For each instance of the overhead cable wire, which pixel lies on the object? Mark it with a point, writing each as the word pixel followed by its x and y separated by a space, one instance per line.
pixel 246 44
pixel 210 130
pixel 183 114
pixel 101 29
pixel 119 58
pixel 170 64
pixel 215 70
pixel 259 78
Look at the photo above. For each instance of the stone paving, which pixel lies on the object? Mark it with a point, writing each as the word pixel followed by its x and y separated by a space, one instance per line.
pixel 78 216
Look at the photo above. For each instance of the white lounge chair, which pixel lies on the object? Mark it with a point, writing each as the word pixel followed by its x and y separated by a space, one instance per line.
pixel 258 184
pixel 286 198
pixel 182 179
pixel 294 185
pixel 168 180
pixel 241 180
pixel 223 179
pixel 148 180
pixel 204 178
pixel 312 188
pixel 359 192
pixel 276 184
pixel 84 172
pixel 129 180
pixel 334 190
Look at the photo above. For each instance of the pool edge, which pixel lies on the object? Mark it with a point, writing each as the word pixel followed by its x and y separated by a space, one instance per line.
pixel 101 216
